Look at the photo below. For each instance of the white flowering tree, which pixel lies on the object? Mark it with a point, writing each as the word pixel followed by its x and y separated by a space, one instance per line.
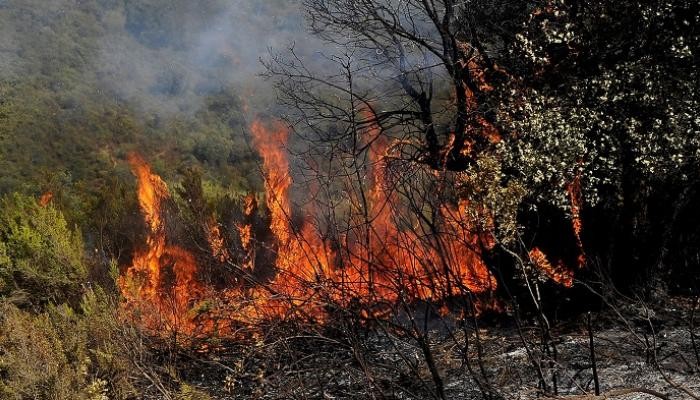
pixel 609 92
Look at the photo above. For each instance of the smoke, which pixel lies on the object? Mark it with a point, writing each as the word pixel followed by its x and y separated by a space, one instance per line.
pixel 191 50
pixel 162 57
pixel 159 56
pixel 8 46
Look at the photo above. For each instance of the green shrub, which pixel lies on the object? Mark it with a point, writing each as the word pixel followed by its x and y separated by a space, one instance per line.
pixel 188 392
pixel 40 256
pixel 62 353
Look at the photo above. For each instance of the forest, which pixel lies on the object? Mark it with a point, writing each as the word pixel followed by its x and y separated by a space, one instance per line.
pixel 336 199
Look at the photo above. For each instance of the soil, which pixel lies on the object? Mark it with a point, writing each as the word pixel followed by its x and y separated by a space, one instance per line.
pixel 637 348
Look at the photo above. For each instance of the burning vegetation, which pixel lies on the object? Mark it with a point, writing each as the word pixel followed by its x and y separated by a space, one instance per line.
pixel 446 200
pixel 310 273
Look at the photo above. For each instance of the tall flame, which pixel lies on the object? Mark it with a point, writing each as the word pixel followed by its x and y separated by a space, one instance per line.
pixel 144 283
pixel 302 258
pixel 389 262
pixel 245 231
pixel 574 190
pixel 411 262
pixel 270 144
pixel 151 191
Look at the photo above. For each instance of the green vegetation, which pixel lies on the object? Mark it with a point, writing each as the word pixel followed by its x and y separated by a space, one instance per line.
pixel 83 83
pixel 40 257
pixel 48 348
pixel 60 335
pixel 534 114
pixel 62 353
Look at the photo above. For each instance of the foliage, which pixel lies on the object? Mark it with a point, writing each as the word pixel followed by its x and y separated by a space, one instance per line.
pixel 63 353
pixel 609 104
pixel 83 83
pixel 606 94
pixel 602 94
pixel 87 352
pixel 40 256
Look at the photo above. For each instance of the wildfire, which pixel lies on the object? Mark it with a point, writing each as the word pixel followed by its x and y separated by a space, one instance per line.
pixel 45 198
pixel 302 257
pixel 269 143
pixel 574 190
pixel 161 276
pixel 409 263
pixel 389 262
pixel 559 273
pixel 245 231
pixel 217 243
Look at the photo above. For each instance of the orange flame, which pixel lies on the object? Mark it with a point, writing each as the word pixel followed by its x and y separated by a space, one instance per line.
pixel 217 243
pixel 391 264
pixel 410 262
pixel 270 144
pixel 162 276
pixel 559 273
pixel 45 198
pixel 245 231
pixel 302 258
pixel 574 190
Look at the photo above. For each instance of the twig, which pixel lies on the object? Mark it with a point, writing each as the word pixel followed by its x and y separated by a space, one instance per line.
pixel 616 393
pixel 594 366
pixel 657 364
pixel 692 329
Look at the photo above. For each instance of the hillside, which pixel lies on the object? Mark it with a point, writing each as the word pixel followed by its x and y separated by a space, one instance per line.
pixel 82 83
pixel 349 199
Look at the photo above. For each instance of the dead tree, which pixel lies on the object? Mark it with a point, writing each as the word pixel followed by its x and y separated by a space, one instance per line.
pixel 418 64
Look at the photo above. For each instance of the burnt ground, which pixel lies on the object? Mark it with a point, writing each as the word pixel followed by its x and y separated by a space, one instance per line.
pixel 637 348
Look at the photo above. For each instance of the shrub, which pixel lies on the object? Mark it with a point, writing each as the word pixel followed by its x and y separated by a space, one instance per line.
pixel 62 353
pixel 40 256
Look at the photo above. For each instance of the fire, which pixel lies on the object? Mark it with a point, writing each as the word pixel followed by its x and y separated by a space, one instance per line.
pixel 269 143
pixel 390 264
pixel 411 263
pixel 574 190
pixel 302 258
pixel 162 276
pixel 217 243
pixel 559 273
pixel 475 66
pixel 397 258
pixel 394 257
pixel 151 190
pixel 245 231
pixel 45 198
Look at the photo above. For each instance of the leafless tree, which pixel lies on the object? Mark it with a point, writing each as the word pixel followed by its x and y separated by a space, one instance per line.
pixel 419 66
